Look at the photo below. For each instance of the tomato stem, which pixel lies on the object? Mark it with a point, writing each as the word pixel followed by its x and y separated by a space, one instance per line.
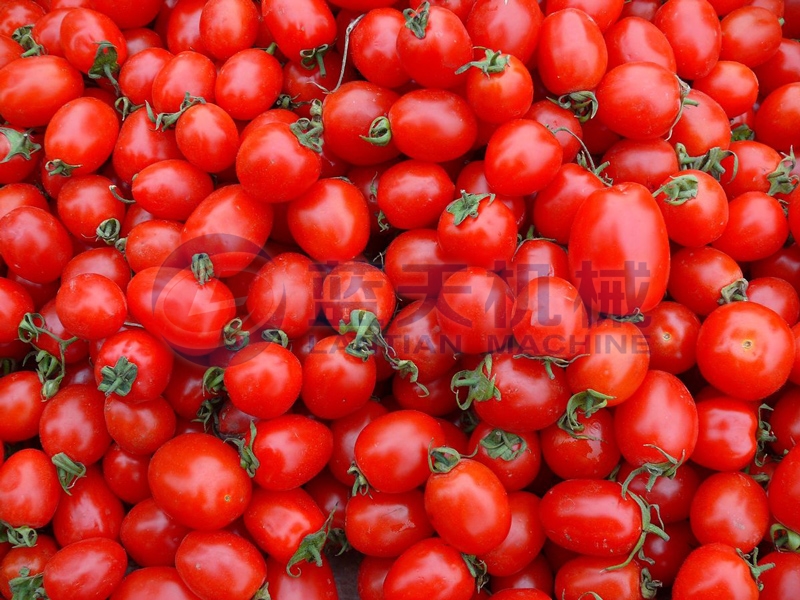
pixel 50 370
pixel 18 537
pixel 734 292
pixel 125 107
pixel 417 20
pixel 208 413
pixel 275 336
pixel 164 121
pixel 647 527
pixel 24 37
pixel 710 162
pixel 59 167
pixel 119 378
pixel 504 445
pixel 27 585
pixel 582 104
pixel 782 180
pixel 588 402
pixel 479 387
pixel 649 587
pixel 114 192
pixel 109 231
pixel 742 133
pixel 202 268
pixel 679 190
pixel 380 132
pixel 443 459
pixel 466 206
pixel 494 62
pixel 19 144
pixel 213 381
pixel 105 65
pixel 667 469
pixel 755 569
pixel 247 457
pixel 310 549
pixel 234 337
pixel 308 133
pixel 477 568
pixel 314 57
pixel 360 484
pixel 550 361
pixel 69 471
pixel 784 538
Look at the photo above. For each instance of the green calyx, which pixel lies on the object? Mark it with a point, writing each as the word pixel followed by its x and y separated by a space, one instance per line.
pixel 314 58
pixel 234 336
pixel 19 144
pixel 59 167
pixel 202 268
pixel 27 586
pixel 588 402
pixel 679 190
pixel 734 292
pixel 648 527
pixel 504 445
pixel 380 132
pixel 782 180
pixel 417 20
pixel 164 121
pixel 480 387
pixel 494 62
pixel 710 162
pixel 108 231
pixel 466 206
pixel 310 549
pixel 118 379
pixel 105 65
pixel 667 468
pixel 582 104
pixel 24 37
pixel 247 457
pixel 69 471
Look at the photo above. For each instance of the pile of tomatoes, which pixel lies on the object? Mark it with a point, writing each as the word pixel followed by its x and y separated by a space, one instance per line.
pixel 499 297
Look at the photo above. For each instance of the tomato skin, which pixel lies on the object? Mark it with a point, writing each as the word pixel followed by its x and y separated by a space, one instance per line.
pixel 733 85
pixel 82 133
pixel 214 563
pixel 313 582
pixel 726 438
pixel 33 89
pixel 228 26
pixel 153 582
pixel 140 145
pixel 330 221
pixel 433 125
pixel 82 29
pixel 524 540
pixel 29 489
pixel 745 350
pixel 91 511
pixel 714 570
pixel 230 227
pixel 522 157
pixel 648 162
pixel 750 35
pixel 207 136
pixel 633 39
pixel 468 507
pixel 572 54
pixel 34 559
pixel 413 194
pixel 386 525
pixel 34 243
pixel 606 242
pixel 758 218
pixel 429 569
pixel 299 26
pixel 695 55
pixel 278 521
pixel 727 498
pixel 293 449
pixel 701 127
pixel 703 218
pixel 126 474
pixel 205 499
pixel 783 492
pixel 373 44
pixel 586 574
pixel 392 450
pixel 90 569
pixel 671 330
pixel 591 517
pixel 777 118
pixel 639 113
pixel 638 424
pixel 21 406
pixel 150 537
pixel 782 578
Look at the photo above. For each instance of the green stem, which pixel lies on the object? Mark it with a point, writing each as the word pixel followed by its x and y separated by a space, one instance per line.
pixel 69 471
pixel 19 144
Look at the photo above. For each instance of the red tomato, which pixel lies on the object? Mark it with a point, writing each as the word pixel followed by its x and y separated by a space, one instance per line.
pixel 432 570
pixel 34 244
pixel 726 439
pixel 29 489
pixel 696 53
pixel 619 258
pixel 91 569
pixel 745 350
pixel 150 536
pixel 572 54
pixel 715 569
pixel 783 493
pixel 197 480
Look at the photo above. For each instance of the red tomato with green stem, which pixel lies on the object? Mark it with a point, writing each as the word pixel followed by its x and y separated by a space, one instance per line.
pixel 777 118
pixel 433 45
pixel 757 218
pixel 303 30
pixel 373 47
pixel 479 230
pixel 84 203
pixel 514 457
pixel 80 137
pixel 727 430
pixel 140 145
pixel 586 575
pixel 702 126
pixel 207 136
pixel 152 582
pixel 429 569
pixel 513 394
pixel 648 162
pixel 33 559
pixel 197 480
pixel 715 569
pixel 499 87
pixel 91 306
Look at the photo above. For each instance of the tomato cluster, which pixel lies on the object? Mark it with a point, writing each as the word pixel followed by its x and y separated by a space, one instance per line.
pixel 282 279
